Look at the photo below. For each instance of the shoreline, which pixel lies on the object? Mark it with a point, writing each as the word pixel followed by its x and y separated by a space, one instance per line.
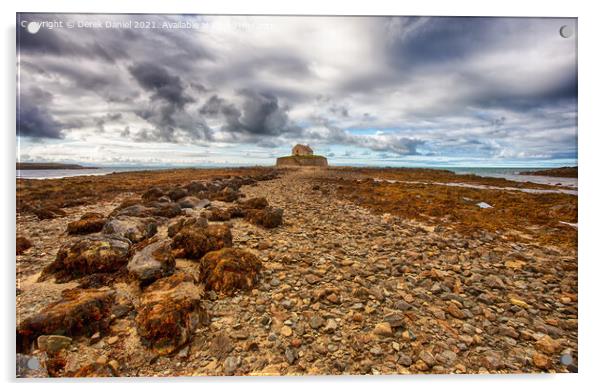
pixel 397 253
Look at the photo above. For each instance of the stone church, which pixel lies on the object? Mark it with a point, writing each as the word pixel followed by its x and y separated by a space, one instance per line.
pixel 302 150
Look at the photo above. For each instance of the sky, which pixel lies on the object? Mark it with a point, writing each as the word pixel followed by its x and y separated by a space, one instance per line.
pixel 196 90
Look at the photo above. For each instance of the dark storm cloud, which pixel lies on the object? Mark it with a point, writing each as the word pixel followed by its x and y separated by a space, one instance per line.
pixel 163 85
pixel 33 121
pixel 260 114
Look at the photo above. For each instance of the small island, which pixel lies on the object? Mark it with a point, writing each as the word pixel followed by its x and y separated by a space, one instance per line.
pixel 51 166
pixel 302 156
pixel 560 172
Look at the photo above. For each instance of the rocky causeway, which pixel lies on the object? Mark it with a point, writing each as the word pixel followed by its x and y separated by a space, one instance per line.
pixel 297 272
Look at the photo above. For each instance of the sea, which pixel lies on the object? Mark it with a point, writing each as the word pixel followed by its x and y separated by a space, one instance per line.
pixel 510 173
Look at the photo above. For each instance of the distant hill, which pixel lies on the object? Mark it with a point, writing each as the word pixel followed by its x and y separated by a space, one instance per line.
pixel 51 166
pixel 561 172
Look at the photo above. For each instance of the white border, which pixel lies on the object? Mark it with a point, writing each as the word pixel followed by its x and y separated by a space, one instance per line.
pixel 590 102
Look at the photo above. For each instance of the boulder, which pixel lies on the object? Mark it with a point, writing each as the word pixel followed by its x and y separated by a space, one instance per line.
pixel 152 262
pixel 254 203
pixel 229 269
pixel 48 212
pixel 195 222
pixel 135 229
pixel 89 255
pixel 268 217
pixel 22 244
pixel 177 193
pixel 167 209
pixel 79 312
pixel 89 223
pixel 227 194
pixel 236 211
pixel 152 194
pixel 196 187
pixel 217 214
pixel 192 202
pixel 169 312
pixel 194 242
pixel 136 210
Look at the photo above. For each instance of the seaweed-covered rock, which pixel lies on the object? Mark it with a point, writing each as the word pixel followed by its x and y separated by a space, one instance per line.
pixel 195 187
pixel 78 312
pixel 268 217
pixel 218 214
pixel 22 244
pixel 229 269
pixel 96 370
pixel 87 224
pixel 227 194
pixel 152 262
pixel 136 210
pixel 193 242
pixel 135 229
pixel 48 212
pixel 89 255
pixel 152 194
pixel 196 222
pixel 192 202
pixel 254 203
pixel 167 209
pixel 236 211
pixel 177 193
pixel 169 312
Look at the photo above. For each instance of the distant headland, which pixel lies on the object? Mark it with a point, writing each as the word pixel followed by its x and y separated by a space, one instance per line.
pixel 51 166
pixel 302 156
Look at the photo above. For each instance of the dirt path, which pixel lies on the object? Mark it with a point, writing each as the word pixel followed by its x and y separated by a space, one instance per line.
pixel 344 291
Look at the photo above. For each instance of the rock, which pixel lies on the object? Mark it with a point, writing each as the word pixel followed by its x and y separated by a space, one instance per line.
pixel 113 340
pixel 254 203
pixel 95 370
pixel 541 361
pixel 194 242
pixel 404 359
pixel 167 209
pixel 22 244
pixel 30 367
pixel 286 331
pixel 217 214
pixel 78 312
pixel 508 331
pixel 454 311
pixel 427 357
pixel 330 326
pixel 316 322
pixel 268 217
pixel 152 194
pixel 135 210
pixel 134 229
pixel 291 355
pixel 395 319
pixel 548 345
pixel 177 193
pixel 191 202
pixel 89 255
pixel 447 357
pixel 87 224
pixel 231 365
pixel 153 262
pixel 192 222
pixel 383 329
pixel 169 312
pixel 48 212
pixel 53 343
pixel 492 361
pixel 229 269
pixel 494 281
